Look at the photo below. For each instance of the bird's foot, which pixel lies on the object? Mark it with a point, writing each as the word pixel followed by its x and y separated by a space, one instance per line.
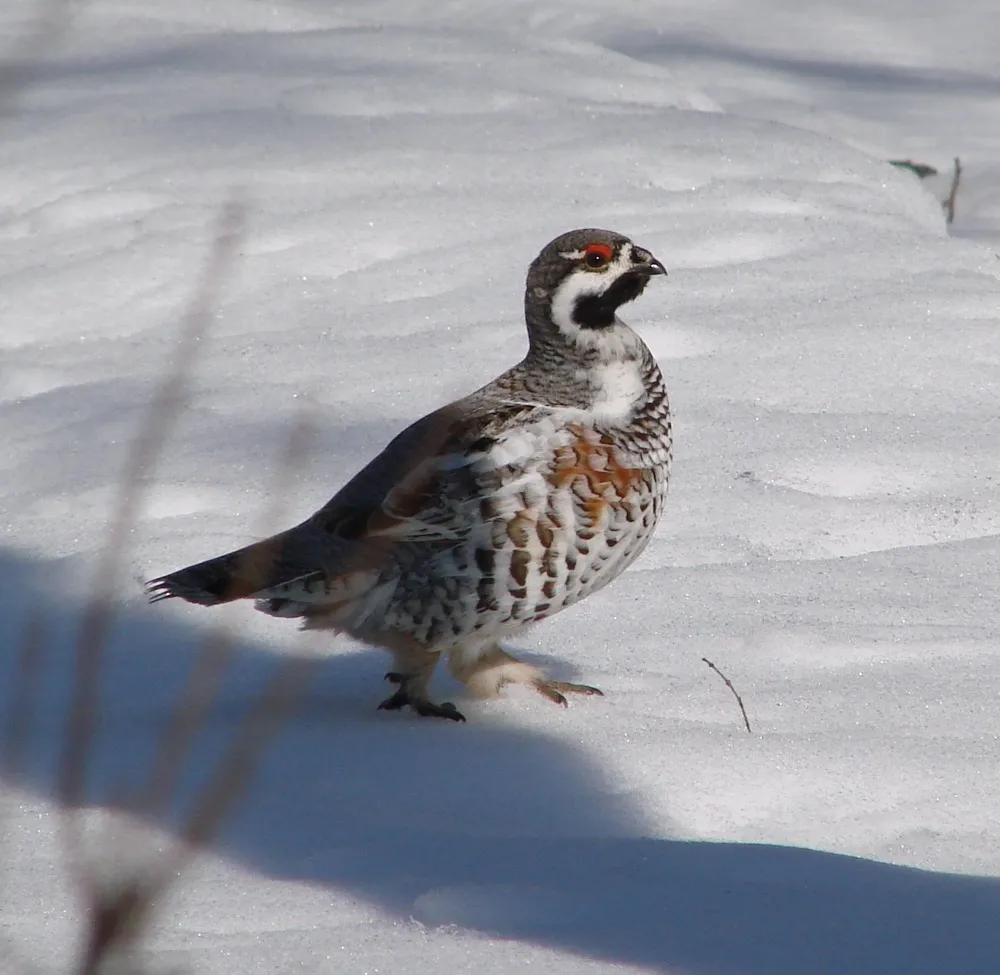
pixel 426 709
pixel 556 690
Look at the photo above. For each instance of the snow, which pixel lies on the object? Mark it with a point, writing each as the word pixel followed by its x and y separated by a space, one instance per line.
pixel 831 538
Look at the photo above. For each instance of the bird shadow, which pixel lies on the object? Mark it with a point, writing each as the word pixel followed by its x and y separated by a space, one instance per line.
pixel 486 826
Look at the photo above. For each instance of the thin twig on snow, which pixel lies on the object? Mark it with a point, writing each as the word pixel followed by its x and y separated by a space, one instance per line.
pixel 729 684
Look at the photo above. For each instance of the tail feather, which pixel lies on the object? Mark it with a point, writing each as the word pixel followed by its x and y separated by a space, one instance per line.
pixel 236 575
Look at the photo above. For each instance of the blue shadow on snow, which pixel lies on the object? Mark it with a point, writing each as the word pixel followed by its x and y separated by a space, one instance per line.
pixel 493 828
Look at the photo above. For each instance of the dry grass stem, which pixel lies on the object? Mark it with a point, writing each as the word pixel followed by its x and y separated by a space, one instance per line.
pixel 121 899
pixel 98 613
pixel 24 692
pixel 186 718
pixel 229 780
pixel 116 912
pixel 202 686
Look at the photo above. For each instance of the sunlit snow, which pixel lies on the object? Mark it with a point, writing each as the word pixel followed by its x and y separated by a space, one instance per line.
pixel 832 351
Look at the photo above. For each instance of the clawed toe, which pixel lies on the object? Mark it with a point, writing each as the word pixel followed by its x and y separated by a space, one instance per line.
pixel 444 710
pixel 556 690
pixel 398 700
pixel 579 689
pixel 424 708
pixel 550 693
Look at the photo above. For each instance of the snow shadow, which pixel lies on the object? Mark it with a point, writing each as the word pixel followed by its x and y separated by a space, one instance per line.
pixel 899 79
pixel 489 826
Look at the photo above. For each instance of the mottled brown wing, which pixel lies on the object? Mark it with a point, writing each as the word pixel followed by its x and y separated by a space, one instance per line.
pixel 416 491
pixel 413 487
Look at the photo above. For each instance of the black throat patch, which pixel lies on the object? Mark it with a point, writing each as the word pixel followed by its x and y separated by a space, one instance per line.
pixel 598 311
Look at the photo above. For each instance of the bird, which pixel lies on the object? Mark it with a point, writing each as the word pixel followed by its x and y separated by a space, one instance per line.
pixel 493 512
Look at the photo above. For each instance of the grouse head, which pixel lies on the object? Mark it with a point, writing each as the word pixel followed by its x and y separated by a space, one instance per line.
pixel 580 280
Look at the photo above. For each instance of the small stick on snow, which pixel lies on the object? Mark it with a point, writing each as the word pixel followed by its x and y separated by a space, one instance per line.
pixel 949 204
pixel 729 684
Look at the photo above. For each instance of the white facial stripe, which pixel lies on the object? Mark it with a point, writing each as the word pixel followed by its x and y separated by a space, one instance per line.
pixel 578 284
pixel 616 342
pixel 585 282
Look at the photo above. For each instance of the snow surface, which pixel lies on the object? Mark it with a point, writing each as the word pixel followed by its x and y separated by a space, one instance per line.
pixel 831 542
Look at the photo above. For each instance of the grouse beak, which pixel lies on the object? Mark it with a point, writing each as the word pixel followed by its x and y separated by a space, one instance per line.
pixel 650 265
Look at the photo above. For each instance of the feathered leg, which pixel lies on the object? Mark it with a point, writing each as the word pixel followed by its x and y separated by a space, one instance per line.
pixel 487 672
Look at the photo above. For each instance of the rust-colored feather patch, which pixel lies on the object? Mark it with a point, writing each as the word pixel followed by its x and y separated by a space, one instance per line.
pixel 592 458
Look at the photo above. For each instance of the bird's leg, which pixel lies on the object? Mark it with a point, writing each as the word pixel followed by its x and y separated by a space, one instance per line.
pixel 487 671
pixel 413 675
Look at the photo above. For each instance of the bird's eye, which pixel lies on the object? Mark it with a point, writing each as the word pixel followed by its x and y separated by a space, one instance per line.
pixel 597 255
